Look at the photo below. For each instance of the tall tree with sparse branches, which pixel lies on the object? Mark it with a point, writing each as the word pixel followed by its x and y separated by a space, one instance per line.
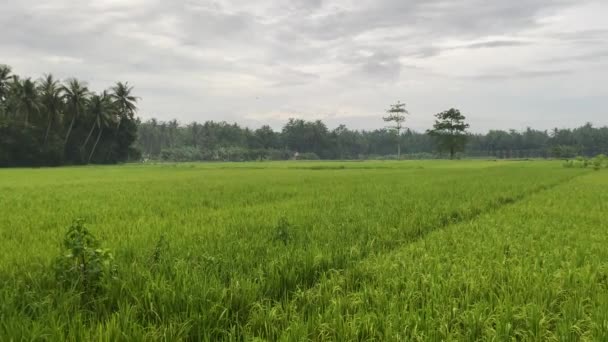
pixel 397 116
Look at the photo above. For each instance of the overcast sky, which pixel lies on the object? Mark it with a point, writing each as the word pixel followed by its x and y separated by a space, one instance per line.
pixel 503 63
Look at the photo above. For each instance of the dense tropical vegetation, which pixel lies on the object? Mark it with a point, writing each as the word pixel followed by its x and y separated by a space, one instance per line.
pixel 172 141
pixel 49 122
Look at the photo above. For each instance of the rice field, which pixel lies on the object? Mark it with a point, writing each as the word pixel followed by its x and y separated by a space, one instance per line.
pixel 308 251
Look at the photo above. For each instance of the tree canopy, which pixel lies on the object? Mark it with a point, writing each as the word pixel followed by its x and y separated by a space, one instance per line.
pixel 212 140
pixel 450 131
pixel 49 122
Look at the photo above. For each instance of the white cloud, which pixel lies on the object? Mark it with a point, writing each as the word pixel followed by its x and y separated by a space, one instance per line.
pixel 503 63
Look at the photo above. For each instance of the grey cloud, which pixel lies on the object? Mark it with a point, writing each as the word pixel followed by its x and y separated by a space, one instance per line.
pixel 291 77
pixel 433 17
pixel 580 36
pixel 496 43
pixel 585 57
pixel 518 74
pixel 192 52
pixel 382 70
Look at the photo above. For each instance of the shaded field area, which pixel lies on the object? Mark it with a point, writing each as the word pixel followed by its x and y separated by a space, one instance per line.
pixel 429 250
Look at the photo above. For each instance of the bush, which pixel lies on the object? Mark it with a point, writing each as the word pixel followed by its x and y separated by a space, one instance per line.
pixel 562 151
pixel 307 156
pixel 234 154
pixel 182 154
pixel 598 162
pixel 283 231
pixel 84 266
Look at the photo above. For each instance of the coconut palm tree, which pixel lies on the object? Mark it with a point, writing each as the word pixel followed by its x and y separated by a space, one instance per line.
pixel 13 89
pixel 50 93
pixel 101 108
pixel 5 77
pixel 27 101
pixel 123 101
pixel 96 105
pixel 75 95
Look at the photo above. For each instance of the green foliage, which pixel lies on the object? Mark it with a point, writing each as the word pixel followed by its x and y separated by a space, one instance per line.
pixel 236 154
pixel 337 251
pixel 171 141
pixel 47 123
pixel 307 156
pixel 450 131
pixel 599 162
pixel 283 231
pixel 160 249
pixel 307 137
pixel 84 266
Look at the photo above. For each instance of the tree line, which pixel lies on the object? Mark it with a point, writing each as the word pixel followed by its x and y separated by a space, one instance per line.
pixel 50 122
pixel 302 139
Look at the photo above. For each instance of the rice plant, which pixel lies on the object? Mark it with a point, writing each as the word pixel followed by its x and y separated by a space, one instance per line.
pixel 427 250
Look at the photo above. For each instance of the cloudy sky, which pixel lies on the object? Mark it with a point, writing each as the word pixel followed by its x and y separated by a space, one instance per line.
pixel 504 64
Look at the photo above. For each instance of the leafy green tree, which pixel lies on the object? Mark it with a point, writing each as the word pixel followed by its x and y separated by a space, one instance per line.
pixel 348 144
pixel 396 115
pixel 172 132
pixel 450 131
pixel 307 137
pixel 267 137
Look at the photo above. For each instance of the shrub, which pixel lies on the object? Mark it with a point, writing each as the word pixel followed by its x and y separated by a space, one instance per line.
pixel 161 248
pixel 599 161
pixel 308 156
pixel 283 231
pixel 84 266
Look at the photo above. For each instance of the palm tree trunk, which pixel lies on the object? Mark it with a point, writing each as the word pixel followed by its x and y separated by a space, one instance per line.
pixel 115 134
pixel 67 136
pixel 95 146
pixel 88 137
pixel 48 130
